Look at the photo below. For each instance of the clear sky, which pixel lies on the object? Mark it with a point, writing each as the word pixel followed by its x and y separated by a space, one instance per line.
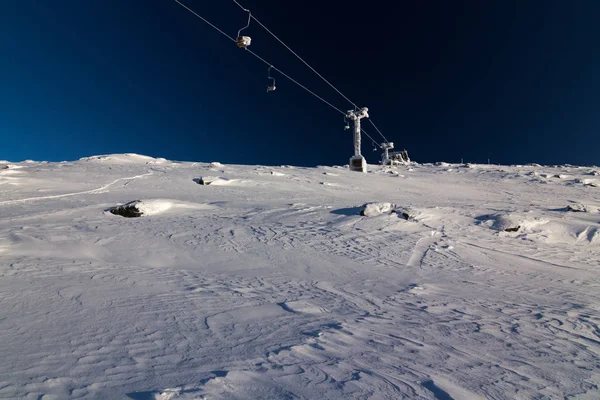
pixel 513 81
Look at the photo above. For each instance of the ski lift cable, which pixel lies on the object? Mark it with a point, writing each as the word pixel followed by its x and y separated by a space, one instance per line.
pixel 305 63
pixel 203 19
pixel 270 65
pixel 245 9
pixel 261 59
pixel 372 140
pixel 294 81
pixel 377 129
pixel 297 56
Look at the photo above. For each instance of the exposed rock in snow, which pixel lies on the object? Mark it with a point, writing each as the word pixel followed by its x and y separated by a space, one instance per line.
pixel 206 180
pixel 128 210
pixel 375 209
pixel 139 208
pixel 220 181
pixel 576 207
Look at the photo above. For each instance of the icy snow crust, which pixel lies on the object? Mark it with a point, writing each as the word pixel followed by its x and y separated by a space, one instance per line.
pixel 273 286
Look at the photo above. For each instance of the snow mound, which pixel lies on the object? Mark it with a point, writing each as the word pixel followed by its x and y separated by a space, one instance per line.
pixel 139 208
pixel 303 306
pixel 542 229
pixel 275 173
pixel 9 169
pixel 215 164
pixel 219 181
pixel 509 222
pixel 589 182
pixel 127 158
pixel 559 232
pixel 375 209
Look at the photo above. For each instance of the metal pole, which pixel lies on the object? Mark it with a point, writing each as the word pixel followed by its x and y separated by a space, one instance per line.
pixel 357 162
pixel 357 137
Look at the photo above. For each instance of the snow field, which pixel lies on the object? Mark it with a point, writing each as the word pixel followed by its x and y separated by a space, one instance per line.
pixel 280 289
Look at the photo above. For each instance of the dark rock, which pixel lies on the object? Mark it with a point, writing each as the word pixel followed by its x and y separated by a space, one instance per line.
pixel 515 229
pixel 405 215
pixel 128 210
pixel 205 180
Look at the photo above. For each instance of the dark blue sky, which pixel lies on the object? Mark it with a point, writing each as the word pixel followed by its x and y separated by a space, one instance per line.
pixel 515 81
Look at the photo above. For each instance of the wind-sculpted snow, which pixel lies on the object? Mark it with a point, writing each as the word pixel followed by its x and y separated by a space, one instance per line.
pixel 273 286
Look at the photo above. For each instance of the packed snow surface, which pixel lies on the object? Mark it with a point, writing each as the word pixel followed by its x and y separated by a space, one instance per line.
pixel 271 285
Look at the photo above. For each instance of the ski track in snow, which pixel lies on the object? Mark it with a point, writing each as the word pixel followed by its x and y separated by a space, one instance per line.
pixel 280 290
pixel 92 191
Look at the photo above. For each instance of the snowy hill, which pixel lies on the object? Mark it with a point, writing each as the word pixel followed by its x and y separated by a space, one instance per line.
pixel 475 281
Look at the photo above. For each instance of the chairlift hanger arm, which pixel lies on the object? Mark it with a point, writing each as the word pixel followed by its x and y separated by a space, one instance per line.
pixel 247 25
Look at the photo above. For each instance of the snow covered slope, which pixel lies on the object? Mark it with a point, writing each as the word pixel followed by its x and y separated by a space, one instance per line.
pixel 270 285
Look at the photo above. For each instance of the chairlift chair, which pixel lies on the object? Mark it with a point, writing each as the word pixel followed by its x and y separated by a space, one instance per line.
pixel 244 41
pixel 271 87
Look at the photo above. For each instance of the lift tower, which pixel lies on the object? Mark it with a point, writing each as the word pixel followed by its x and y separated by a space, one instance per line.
pixel 385 158
pixel 357 162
